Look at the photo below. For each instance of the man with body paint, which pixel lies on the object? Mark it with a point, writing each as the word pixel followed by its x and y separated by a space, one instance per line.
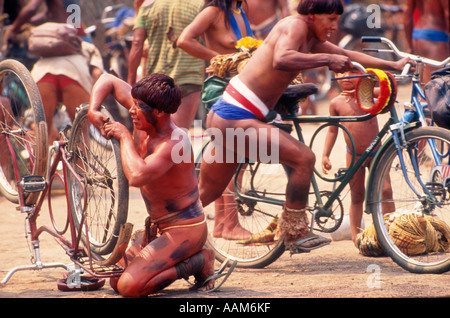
pixel 169 189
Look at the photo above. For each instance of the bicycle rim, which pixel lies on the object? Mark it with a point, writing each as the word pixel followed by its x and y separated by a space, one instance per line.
pixel 23 130
pixel 98 166
pixel 415 233
pixel 261 181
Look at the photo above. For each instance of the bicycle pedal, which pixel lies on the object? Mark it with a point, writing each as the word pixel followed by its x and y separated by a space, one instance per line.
pixel 33 183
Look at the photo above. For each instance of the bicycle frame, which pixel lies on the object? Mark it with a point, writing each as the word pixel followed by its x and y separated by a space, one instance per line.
pixel 397 126
pixel 73 246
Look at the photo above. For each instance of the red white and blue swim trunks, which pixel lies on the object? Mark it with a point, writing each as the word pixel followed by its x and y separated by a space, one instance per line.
pixel 239 102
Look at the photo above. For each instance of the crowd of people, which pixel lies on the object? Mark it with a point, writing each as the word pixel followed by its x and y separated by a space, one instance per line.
pixel 173 41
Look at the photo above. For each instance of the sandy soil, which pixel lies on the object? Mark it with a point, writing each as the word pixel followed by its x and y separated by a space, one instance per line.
pixel 334 271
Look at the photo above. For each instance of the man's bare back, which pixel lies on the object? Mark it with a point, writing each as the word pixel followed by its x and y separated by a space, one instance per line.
pixel 429 36
pixel 287 51
pixel 432 14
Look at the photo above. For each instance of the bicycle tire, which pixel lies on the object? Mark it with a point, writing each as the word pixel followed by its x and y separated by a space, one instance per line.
pixel 407 204
pixel 100 168
pixel 253 216
pixel 22 121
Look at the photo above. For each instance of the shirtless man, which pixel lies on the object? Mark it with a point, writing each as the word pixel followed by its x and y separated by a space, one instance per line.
pixel 264 14
pixel 296 43
pixel 429 36
pixel 169 189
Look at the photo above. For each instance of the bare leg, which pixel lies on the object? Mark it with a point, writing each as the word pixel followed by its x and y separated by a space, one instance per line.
pixel 73 97
pixel 49 95
pixel 186 112
pixel 173 255
pixel 294 154
pixel 226 222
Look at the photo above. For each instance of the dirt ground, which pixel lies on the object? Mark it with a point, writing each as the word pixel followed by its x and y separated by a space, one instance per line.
pixel 334 271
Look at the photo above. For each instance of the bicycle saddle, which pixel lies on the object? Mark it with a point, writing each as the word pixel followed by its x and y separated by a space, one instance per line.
pixel 299 91
pixel 293 94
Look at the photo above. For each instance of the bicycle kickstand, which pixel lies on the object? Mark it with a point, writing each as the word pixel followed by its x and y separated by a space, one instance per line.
pixel 37 265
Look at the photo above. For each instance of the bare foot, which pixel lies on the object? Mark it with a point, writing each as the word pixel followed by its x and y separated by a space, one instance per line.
pixel 235 232
pixel 206 272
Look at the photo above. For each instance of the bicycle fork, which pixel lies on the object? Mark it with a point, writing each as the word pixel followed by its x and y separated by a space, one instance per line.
pixel 401 145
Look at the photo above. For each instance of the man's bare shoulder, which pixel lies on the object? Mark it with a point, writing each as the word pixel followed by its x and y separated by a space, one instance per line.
pixel 176 143
pixel 291 26
pixel 293 21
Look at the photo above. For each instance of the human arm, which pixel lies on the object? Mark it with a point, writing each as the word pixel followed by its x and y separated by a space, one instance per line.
pixel 408 23
pixel 107 85
pixel 188 39
pixel 134 59
pixel 362 58
pixel 330 140
pixel 290 51
pixel 25 15
pixel 140 171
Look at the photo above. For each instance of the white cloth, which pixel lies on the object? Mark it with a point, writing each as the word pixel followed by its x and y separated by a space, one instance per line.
pixel 239 86
pixel 74 66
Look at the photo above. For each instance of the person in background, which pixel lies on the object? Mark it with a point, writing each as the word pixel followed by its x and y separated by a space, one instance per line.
pixel 264 14
pixel 161 22
pixel 427 29
pixel 61 79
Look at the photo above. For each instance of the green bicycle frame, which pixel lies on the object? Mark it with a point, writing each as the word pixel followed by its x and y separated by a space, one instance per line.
pixel 350 172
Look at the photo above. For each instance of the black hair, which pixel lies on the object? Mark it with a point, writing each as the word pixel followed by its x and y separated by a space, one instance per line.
pixel 157 91
pixel 306 7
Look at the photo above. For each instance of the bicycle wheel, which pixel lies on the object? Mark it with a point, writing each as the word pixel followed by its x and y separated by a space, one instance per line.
pixel 23 130
pixel 99 168
pixel 415 233
pixel 255 181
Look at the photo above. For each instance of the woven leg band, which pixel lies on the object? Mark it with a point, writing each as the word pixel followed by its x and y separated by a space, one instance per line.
pixel 293 223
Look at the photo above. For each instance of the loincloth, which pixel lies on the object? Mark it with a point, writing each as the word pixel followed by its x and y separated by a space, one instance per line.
pixel 153 228
pixel 238 94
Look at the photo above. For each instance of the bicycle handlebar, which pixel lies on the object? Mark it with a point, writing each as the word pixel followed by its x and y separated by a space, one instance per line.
pixel 359 67
pixel 394 49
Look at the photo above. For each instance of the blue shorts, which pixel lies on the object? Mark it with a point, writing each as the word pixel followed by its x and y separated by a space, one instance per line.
pixel 229 111
pixel 430 35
